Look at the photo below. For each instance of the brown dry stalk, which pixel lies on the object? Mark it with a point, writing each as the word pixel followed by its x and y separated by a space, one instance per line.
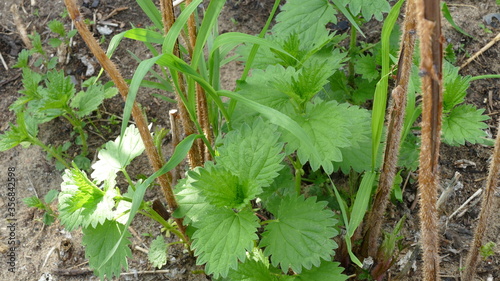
pixel 395 125
pixel 176 139
pixel 140 120
pixel 201 99
pixel 483 49
pixel 195 156
pixel 486 210
pixel 431 54
pixel 20 27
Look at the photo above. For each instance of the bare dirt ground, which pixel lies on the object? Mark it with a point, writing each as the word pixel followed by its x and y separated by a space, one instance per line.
pixel 37 244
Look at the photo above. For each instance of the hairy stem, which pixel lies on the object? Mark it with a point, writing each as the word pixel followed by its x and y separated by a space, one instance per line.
pixel 486 210
pixel 195 156
pixel 141 122
pixel 431 54
pixel 395 126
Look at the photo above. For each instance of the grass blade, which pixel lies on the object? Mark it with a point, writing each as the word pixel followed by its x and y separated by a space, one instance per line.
pixel 380 100
pixel 152 12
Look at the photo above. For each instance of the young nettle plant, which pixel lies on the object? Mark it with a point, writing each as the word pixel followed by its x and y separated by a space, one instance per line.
pixel 217 202
pixel 97 206
pixel 48 94
pixel 244 204
pixel 49 215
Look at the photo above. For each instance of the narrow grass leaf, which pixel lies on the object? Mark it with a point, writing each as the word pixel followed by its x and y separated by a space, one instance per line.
pixel 449 18
pixel 152 12
pixel 361 202
pixel 380 100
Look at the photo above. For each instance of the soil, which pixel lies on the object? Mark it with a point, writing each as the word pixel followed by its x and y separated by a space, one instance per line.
pixel 37 244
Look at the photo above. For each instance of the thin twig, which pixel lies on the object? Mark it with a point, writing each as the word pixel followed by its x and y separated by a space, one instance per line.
pixel 483 49
pixel 462 207
pixel 140 249
pixel 3 62
pixel 146 272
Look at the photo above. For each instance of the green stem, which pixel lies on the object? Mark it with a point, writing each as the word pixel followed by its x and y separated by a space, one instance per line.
pixel 127 176
pixel 77 125
pixel 150 213
pixel 486 76
pixel 49 151
pixel 352 48
pixel 298 175
pixel 268 221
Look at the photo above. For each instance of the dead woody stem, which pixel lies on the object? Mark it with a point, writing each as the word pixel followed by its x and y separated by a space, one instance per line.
pixel 486 210
pixel 196 153
pixel 394 127
pixel 431 54
pixel 139 118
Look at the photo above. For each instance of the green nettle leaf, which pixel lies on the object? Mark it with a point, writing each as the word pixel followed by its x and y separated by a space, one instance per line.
pixel 365 65
pixel 369 8
pixel 192 205
pixel 99 241
pixel 223 237
pixel 59 90
pixel 307 19
pixel 282 186
pixel 158 252
pixel 82 203
pixel 315 73
pixel 326 271
pixel 57 27
pixel 11 138
pixel 88 101
pixel 115 157
pixel 318 121
pixel 464 123
pixel 301 235
pixel 22 59
pixel 262 87
pixel 409 153
pixel 24 132
pixel 455 87
pixel 33 202
pixel 50 196
pixel 252 270
pixel 358 155
pixel 250 156
pixel 222 188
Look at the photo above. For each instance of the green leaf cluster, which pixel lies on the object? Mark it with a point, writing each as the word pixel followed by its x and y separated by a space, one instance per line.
pixel 461 122
pixel 216 201
pixel 49 215
pixel 99 209
pixel 49 95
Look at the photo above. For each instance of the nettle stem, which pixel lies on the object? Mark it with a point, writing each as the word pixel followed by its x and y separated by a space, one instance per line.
pixel 78 126
pixel 431 55
pixel 195 156
pixel 394 129
pixel 50 151
pixel 140 120
pixel 486 210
